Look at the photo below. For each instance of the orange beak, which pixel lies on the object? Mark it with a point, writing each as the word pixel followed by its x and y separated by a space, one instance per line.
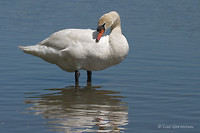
pixel 100 35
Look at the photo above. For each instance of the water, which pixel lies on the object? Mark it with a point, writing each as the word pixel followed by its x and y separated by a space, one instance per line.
pixel 156 88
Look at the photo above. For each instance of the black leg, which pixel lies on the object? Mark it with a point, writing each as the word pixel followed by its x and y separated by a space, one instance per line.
pixel 89 76
pixel 77 74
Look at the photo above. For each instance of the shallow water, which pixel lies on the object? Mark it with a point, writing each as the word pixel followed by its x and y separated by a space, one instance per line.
pixel 155 89
pixel 89 109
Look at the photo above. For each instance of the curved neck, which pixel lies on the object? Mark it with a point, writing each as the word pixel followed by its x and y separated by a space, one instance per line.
pixel 116 29
pixel 116 26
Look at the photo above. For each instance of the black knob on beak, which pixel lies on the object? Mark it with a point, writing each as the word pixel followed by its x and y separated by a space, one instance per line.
pixel 101 27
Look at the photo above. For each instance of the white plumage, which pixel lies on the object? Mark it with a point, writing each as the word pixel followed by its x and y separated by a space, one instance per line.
pixel 79 49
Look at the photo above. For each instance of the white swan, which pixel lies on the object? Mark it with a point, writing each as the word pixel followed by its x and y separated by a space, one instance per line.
pixel 84 49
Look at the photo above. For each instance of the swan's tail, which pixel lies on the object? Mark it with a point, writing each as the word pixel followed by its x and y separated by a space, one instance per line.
pixel 29 49
pixel 46 53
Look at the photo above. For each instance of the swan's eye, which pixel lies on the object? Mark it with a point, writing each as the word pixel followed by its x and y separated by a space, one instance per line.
pixel 99 28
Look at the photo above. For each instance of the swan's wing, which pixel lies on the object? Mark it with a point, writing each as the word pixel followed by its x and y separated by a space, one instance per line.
pixel 69 38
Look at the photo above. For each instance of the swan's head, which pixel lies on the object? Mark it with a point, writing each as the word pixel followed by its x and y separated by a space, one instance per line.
pixel 106 21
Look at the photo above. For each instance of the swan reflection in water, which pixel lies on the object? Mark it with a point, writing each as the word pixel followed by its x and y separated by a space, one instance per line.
pixel 87 109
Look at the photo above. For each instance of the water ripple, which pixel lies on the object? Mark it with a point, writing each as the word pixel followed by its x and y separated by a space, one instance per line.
pixel 86 110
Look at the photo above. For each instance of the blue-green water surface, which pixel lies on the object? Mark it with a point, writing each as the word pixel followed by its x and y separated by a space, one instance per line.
pixel 155 89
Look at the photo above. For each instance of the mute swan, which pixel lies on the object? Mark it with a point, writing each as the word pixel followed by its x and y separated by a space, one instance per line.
pixel 84 49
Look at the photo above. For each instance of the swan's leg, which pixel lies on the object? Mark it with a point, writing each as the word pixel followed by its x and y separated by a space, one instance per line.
pixel 89 76
pixel 77 74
